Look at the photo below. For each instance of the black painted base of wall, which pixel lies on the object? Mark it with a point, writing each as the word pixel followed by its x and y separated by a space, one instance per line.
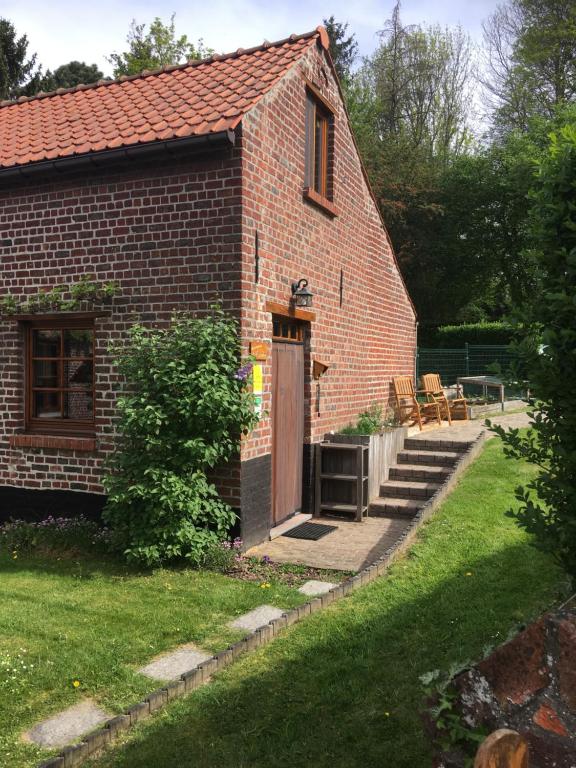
pixel 34 505
pixel 308 484
pixel 255 499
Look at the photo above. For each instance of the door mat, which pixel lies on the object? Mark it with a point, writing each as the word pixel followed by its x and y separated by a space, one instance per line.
pixel 310 531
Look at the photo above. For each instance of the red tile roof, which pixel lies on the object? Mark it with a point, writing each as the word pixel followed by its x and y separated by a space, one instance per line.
pixel 193 99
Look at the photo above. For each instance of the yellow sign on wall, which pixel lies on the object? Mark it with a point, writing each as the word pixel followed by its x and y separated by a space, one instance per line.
pixel 257 388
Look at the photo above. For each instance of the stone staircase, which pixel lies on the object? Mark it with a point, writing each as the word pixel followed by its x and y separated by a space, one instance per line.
pixel 422 468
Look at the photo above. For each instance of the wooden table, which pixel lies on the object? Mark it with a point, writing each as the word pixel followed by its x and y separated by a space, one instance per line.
pixel 485 382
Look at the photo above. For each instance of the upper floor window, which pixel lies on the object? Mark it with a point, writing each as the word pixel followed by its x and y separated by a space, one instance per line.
pixel 60 376
pixel 319 149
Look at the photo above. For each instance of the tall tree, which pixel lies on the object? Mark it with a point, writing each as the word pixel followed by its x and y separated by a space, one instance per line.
pixel 15 67
pixel 158 47
pixel 409 106
pixel 66 76
pixel 343 47
pixel 530 60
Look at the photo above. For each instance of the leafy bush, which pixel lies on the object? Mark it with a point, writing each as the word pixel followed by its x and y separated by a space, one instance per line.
pixel 548 503
pixel 371 422
pixel 183 412
pixel 457 336
pixel 58 534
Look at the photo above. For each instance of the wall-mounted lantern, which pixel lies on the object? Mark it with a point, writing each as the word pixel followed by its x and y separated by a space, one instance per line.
pixel 301 296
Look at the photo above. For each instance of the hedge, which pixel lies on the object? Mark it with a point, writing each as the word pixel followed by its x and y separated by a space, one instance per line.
pixel 456 336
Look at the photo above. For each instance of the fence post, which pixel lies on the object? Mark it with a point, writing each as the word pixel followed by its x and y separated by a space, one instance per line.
pixel 467 359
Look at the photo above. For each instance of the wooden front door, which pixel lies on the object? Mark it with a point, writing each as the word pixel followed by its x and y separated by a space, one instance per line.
pixel 287 428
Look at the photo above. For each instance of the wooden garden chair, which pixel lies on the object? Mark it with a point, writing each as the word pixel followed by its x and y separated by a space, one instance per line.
pixel 457 407
pixel 407 405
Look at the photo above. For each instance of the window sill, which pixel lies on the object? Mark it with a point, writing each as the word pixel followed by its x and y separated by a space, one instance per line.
pixel 62 442
pixel 311 196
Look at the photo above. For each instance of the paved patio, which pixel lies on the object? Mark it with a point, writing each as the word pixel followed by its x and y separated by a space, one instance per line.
pixel 468 430
pixel 351 547
pixel 354 546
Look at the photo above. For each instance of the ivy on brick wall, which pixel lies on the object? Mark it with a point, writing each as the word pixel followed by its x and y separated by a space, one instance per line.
pixel 60 298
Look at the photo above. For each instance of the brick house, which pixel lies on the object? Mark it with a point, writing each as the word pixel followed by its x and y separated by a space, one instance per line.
pixel 230 179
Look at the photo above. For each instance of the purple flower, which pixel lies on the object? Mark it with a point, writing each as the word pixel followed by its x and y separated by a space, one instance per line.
pixel 243 372
pixel 266 560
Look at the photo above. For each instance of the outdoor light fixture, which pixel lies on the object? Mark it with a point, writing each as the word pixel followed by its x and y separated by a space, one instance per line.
pixel 300 294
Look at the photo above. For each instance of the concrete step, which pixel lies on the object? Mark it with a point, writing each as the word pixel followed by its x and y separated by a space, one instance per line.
pixel 402 508
pixel 408 489
pixel 419 472
pixel 426 444
pixel 436 459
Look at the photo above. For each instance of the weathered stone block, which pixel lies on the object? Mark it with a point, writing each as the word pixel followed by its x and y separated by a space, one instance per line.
pixel 117 724
pixel 208 668
pixel 97 740
pixel 192 679
pixel 303 610
pixel 517 669
pixel 157 699
pixel 175 689
pixel 567 661
pixel 139 711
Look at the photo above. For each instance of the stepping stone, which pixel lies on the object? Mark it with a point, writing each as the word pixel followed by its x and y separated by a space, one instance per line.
pixel 169 666
pixel 257 618
pixel 315 587
pixel 67 726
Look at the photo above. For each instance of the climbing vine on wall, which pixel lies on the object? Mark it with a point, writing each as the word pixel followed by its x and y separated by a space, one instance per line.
pixel 60 298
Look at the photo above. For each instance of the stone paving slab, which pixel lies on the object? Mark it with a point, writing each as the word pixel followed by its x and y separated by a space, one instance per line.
pixel 470 430
pixel 257 618
pixel 351 547
pixel 67 726
pixel 169 666
pixel 315 587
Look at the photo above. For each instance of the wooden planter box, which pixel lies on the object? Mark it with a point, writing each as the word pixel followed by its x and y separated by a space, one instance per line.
pixel 382 451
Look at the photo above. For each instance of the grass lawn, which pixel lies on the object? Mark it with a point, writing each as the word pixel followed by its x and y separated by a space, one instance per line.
pixel 342 688
pixel 64 620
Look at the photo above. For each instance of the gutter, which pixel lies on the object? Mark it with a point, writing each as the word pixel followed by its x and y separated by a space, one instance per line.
pixel 135 152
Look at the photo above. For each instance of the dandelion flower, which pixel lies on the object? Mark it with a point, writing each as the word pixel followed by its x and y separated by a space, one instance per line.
pixel 76 683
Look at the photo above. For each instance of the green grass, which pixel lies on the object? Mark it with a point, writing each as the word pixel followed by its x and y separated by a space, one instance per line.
pixel 62 620
pixel 342 688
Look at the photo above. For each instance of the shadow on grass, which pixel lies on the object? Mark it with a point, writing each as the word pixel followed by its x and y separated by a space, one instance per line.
pixel 342 689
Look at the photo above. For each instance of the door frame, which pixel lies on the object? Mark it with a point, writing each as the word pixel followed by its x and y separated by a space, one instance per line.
pixel 300 319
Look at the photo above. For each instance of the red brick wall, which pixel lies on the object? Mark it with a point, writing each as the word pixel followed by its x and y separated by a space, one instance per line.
pixel 372 336
pixel 168 233
pixel 178 234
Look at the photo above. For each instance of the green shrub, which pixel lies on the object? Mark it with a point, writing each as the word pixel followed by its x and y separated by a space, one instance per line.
pixel 184 409
pixel 371 422
pixel 457 336
pixel 548 503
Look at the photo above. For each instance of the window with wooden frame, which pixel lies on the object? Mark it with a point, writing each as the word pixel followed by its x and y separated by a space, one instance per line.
pixel 60 376
pixel 319 149
pixel 287 329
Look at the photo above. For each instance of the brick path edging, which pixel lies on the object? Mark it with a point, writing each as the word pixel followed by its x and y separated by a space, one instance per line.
pixel 73 756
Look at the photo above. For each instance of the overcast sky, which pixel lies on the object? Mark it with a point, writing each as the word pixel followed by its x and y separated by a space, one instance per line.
pixel 64 30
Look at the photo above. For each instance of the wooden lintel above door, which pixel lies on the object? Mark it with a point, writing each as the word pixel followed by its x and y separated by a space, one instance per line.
pixel 289 311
